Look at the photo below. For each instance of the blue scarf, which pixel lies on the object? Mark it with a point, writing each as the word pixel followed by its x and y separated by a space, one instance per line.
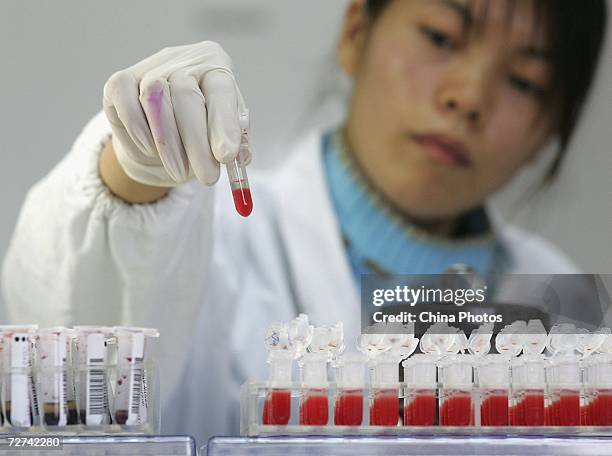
pixel 379 240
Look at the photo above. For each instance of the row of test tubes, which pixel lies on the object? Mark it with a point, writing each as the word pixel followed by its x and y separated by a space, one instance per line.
pixel 536 378
pixel 87 376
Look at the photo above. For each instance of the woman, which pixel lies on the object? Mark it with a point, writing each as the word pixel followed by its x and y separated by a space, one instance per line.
pixel 451 98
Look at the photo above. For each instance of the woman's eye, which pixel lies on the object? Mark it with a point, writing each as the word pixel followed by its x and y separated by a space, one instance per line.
pixel 438 38
pixel 526 86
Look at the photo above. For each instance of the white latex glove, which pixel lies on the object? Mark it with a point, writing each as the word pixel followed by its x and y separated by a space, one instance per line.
pixel 175 115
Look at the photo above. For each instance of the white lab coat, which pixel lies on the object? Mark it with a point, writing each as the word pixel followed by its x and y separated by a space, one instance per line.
pixel 81 256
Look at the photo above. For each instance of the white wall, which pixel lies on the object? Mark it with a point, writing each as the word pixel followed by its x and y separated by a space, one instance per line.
pixel 56 55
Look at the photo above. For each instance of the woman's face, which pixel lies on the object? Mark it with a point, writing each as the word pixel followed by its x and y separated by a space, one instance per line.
pixel 446 105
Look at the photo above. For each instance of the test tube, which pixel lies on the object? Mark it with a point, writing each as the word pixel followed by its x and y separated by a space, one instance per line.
pixel 598 385
pixel 277 403
pixel 563 402
pixel 131 400
pixel 18 389
pixel 493 374
pixel 92 368
pixel 384 401
pixel 456 407
pixel 314 403
pixel 420 393
pixel 53 368
pixel 236 172
pixel 528 391
pixel 348 407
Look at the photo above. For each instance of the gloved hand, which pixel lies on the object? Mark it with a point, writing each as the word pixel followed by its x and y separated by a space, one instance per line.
pixel 175 115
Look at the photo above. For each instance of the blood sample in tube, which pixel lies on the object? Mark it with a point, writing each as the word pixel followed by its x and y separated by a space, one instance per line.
pixel 237 175
pixel 532 410
pixel 349 409
pixel 421 411
pixel 314 409
pixel 384 410
pixel 277 408
pixel 494 410
pixel 569 409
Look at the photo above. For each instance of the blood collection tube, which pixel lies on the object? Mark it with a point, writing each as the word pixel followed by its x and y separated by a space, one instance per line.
pixel 384 401
pixel 277 403
pixel 564 390
pixel 420 392
pixel 528 391
pixel 314 402
pixel 131 401
pixel 18 389
pixel 456 405
pixel 348 407
pixel 53 369
pixel 92 353
pixel 598 386
pixel 236 172
pixel 493 377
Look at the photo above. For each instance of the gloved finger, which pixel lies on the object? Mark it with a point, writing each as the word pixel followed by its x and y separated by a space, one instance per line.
pixel 139 167
pixel 191 119
pixel 122 92
pixel 157 106
pixel 219 89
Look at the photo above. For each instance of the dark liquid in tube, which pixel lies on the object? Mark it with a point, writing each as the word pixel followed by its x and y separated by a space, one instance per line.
pixel 121 416
pixel 51 414
pixel 72 413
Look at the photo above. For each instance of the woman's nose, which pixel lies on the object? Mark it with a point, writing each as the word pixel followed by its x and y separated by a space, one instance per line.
pixel 466 93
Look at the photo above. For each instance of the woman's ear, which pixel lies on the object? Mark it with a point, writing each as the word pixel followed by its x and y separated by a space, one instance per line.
pixel 353 37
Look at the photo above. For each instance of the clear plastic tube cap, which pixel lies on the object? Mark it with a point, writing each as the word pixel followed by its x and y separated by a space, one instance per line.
pixel 280 368
pixel 314 370
pixel 386 370
pixel 352 368
pixel 456 371
pixel 420 371
pixel 493 371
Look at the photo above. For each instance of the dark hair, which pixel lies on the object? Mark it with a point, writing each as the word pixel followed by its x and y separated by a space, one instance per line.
pixel 576 31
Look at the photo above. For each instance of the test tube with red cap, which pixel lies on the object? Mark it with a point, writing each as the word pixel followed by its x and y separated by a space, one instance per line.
pixel 236 171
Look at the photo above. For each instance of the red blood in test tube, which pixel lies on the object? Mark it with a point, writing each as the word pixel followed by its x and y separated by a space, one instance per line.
pixel 604 409
pixel 592 413
pixel 314 410
pixel 421 411
pixel 548 421
pixel 384 410
pixel 569 410
pixel 532 408
pixel 349 409
pixel 457 411
pixel 512 416
pixel 556 413
pixel 243 201
pixel 277 408
pixel 494 410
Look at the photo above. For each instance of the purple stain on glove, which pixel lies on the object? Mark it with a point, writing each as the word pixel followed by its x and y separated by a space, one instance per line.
pixel 155 100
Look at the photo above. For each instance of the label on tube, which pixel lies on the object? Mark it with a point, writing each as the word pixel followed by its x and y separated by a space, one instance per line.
pixel 130 399
pixel 21 381
pixel 96 398
pixel 52 353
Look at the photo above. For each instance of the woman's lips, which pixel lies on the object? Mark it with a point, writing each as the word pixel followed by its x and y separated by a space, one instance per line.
pixel 444 149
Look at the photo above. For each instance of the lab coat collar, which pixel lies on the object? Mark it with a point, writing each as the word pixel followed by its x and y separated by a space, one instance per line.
pixel 323 281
